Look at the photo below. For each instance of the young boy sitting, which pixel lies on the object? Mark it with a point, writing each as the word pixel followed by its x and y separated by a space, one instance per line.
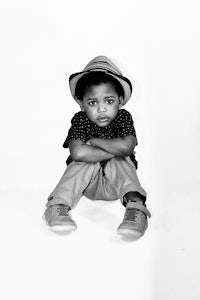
pixel 101 141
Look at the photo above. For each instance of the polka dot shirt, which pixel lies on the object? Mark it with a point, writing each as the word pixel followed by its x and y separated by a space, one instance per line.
pixel 83 129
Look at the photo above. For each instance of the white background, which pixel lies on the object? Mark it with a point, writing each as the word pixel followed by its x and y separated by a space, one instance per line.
pixel 157 45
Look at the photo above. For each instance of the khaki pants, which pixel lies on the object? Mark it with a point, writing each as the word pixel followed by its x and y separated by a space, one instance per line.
pixel 89 179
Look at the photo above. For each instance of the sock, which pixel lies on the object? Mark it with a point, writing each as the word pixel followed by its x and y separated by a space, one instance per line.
pixel 133 197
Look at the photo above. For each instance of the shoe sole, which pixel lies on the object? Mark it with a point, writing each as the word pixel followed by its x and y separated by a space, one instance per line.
pixel 130 233
pixel 60 228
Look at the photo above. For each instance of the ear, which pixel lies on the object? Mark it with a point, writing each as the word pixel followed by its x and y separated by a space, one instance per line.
pixel 121 100
pixel 80 104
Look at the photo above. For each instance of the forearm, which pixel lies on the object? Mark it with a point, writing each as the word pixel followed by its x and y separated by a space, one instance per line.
pixel 115 146
pixel 89 153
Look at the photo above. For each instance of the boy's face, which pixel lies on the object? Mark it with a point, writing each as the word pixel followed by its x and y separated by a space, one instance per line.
pixel 101 104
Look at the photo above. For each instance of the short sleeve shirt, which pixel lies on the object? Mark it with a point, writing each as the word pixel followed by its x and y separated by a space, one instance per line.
pixel 84 129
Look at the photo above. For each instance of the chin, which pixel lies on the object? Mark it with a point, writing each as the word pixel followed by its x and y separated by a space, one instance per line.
pixel 102 124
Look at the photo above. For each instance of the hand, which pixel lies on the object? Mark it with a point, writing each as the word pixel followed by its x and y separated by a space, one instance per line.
pixel 88 143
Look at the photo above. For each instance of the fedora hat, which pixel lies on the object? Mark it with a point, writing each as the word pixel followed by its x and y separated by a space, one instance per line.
pixel 102 64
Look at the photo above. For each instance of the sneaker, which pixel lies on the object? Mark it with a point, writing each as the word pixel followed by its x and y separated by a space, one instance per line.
pixel 135 221
pixel 58 218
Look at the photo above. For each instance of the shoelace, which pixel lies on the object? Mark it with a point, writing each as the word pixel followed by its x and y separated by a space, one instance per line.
pixel 131 214
pixel 62 210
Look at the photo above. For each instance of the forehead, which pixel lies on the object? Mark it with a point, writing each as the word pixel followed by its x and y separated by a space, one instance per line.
pixel 100 89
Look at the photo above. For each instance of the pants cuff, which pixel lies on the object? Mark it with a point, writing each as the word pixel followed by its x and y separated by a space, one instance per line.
pixel 56 200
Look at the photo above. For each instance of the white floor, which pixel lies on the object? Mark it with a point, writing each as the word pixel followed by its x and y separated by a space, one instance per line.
pixel 94 262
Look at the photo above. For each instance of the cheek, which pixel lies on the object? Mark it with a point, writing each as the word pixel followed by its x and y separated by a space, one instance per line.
pixel 90 112
pixel 114 109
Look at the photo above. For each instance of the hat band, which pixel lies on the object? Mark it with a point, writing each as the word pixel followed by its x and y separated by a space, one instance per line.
pixel 97 66
pixel 106 64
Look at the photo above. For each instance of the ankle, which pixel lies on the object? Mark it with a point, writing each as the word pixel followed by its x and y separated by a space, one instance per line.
pixel 138 200
pixel 134 197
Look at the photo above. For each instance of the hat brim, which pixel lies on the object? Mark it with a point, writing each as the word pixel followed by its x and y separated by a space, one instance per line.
pixel 125 83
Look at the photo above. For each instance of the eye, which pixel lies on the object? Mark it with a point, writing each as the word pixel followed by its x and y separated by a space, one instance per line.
pixel 110 101
pixel 91 103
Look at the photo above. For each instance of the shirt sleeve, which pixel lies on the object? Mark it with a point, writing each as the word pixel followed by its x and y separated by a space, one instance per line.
pixel 76 131
pixel 126 125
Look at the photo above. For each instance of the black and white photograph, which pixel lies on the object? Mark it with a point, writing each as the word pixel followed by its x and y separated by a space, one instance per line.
pixel 99 154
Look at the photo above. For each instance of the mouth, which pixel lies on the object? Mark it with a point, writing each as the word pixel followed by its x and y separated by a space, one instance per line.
pixel 103 119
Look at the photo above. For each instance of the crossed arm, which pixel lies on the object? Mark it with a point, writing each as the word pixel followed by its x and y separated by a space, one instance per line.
pixel 98 149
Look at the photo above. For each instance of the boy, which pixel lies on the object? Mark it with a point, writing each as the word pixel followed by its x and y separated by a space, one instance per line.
pixel 101 141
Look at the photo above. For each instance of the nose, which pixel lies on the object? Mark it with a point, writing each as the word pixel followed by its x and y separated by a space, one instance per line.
pixel 101 107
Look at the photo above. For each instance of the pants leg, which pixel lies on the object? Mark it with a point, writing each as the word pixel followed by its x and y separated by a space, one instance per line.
pixel 121 172
pixel 101 188
pixel 74 181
